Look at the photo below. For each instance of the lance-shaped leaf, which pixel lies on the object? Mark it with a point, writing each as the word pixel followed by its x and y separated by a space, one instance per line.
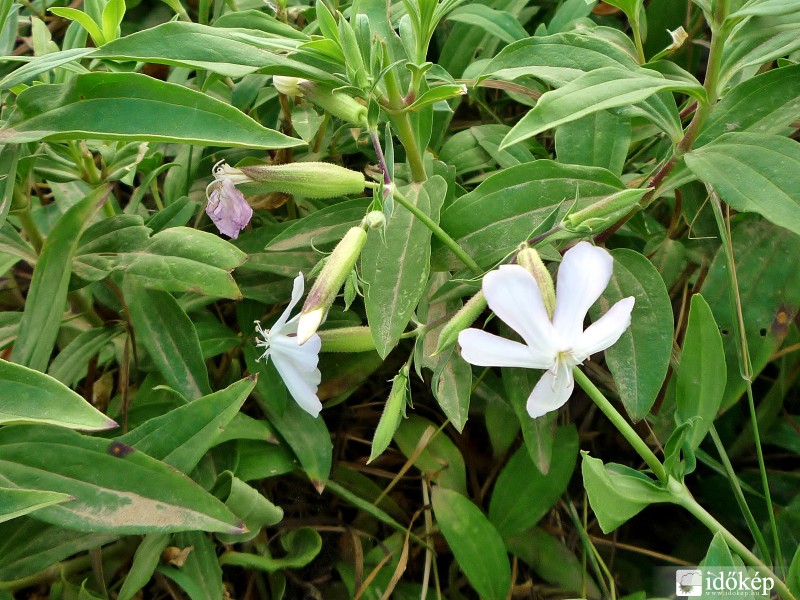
pixel 15 502
pixel 32 397
pixel 124 491
pixel 753 173
pixel 605 88
pixel 133 107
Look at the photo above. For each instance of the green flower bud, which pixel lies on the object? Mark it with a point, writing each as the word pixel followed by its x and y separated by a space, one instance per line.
pixel 461 320
pixel 330 280
pixel 532 262
pixel 307 179
pixel 393 412
pixel 601 215
pixel 375 219
pixel 347 339
pixel 338 104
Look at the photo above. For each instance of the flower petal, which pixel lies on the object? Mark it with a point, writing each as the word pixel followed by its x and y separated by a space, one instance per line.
pixel 297 293
pixel 301 384
pixel 228 208
pixel 304 358
pixel 514 296
pixel 489 350
pixel 583 275
pixel 605 331
pixel 552 391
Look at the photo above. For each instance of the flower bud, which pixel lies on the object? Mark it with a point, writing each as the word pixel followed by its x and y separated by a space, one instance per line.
pixel 375 219
pixel 330 280
pixel 338 104
pixel 532 262
pixel 461 320
pixel 289 86
pixel 347 339
pixel 601 215
pixel 307 179
pixel 393 412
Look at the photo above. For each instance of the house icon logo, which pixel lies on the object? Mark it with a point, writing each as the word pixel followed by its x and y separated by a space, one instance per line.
pixel 688 583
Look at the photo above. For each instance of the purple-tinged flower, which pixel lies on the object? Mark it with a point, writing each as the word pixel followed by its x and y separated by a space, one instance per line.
pixel 226 205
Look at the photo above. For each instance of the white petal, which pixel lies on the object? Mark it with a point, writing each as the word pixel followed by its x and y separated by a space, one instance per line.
pixel 302 386
pixel 488 350
pixel 605 331
pixel 303 358
pixel 514 296
pixel 297 293
pixel 583 275
pixel 552 391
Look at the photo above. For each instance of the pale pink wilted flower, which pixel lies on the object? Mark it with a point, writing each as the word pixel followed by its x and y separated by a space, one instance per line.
pixel 559 344
pixel 296 364
pixel 226 205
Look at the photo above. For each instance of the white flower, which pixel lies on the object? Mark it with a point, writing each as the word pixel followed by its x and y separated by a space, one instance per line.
pixel 296 364
pixel 557 345
pixel 289 86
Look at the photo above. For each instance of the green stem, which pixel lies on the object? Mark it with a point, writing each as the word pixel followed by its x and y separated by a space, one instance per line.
pixel 744 361
pixel 440 233
pixel 405 130
pixel 683 497
pixel 739 495
pixel 30 228
pixel 637 40
pixel 621 424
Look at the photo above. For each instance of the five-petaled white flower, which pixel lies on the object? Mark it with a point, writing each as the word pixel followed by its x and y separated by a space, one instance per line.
pixel 557 345
pixel 296 364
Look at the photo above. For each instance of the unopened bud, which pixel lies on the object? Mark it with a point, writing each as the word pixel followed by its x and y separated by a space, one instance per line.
pixel 338 104
pixel 461 320
pixel 601 215
pixel 330 280
pixel 290 86
pixel 307 179
pixel 375 219
pixel 347 339
pixel 532 262
pixel 393 411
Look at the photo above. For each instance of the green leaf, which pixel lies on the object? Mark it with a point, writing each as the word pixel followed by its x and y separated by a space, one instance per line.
pixel 522 494
pixel 125 491
pixel 440 459
pixel 616 492
pixel 452 386
pixel 325 226
pixel 15 502
pixel 113 14
pixel 201 575
pixel 639 360
pixel 759 41
pixel 48 292
pixel 302 545
pixel 73 14
pixel 144 564
pixel 71 363
pixel 537 434
pixel 560 58
pixel 227 51
pixel 504 210
pixel 246 503
pixel 182 436
pixel 163 328
pixel 439 93
pixel 605 88
pixel 475 543
pixel 753 173
pixel 498 23
pixel 701 376
pixel 793 576
pixel 32 397
pixel 601 139
pixel 775 93
pixel 395 266
pixel 133 107
pixel 8 165
pixel 760 8
pixel 769 288
pixel 27 546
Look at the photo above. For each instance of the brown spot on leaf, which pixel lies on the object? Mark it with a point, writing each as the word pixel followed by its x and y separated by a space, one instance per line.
pixel 119 449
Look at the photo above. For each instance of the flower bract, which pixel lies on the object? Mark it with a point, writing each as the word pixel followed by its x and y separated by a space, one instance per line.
pixel 296 364
pixel 556 345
